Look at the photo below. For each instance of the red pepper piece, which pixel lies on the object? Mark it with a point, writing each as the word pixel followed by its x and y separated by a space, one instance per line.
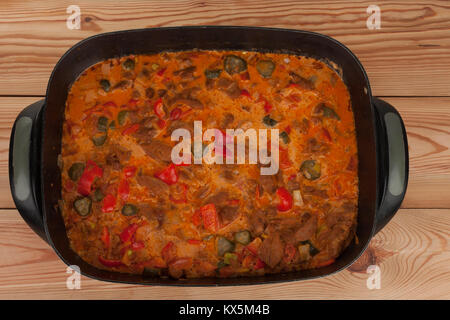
pixel 197 218
pixel 109 263
pixel 168 175
pixel 267 105
pixel 130 129
pixel 326 134
pixel 294 98
pixel 182 164
pixel 69 185
pixel 161 71
pixel 234 202
pixel 132 103
pixel 124 189
pixel 91 172
pixel 158 108
pixel 175 114
pixel 194 241
pixel 352 164
pixel 128 232
pixel 325 263
pixel 289 253
pixel 129 171
pixel 135 246
pixel 259 264
pixel 181 264
pixel 288 129
pixel 285 199
pixel 105 237
pixel 161 123
pixel 285 163
pixel 108 203
pixel 245 93
pixel 210 217
pixel 109 104
pixel 245 76
pixel 252 248
pixel 169 251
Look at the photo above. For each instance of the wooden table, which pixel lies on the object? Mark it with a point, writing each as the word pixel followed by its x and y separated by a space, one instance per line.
pixel 408 63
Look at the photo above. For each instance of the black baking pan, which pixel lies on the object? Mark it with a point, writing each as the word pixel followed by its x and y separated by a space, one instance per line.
pixel 36 137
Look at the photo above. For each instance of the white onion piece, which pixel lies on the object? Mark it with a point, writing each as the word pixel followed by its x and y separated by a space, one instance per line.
pixel 298 200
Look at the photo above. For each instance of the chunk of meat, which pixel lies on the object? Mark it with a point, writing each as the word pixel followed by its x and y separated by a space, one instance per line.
pixel 268 183
pixel 344 214
pixel 202 192
pixel 124 84
pixel 256 222
pixel 230 87
pixel 186 97
pixel 302 127
pixel 224 83
pixel 228 214
pixel 301 81
pixel 155 186
pixel 250 187
pixel 313 191
pixel 147 129
pixel 135 94
pixel 340 222
pixel 218 198
pixel 228 174
pixel 161 92
pixel 271 250
pixel 149 92
pixel 314 146
pixel 193 103
pixel 210 83
pixel 227 120
pixel 294 230
pixel 152 213
pixel 307 227
pixel 117 156
pixel 186 73
pixel 144 135
pixel 158 150
pixel 292 185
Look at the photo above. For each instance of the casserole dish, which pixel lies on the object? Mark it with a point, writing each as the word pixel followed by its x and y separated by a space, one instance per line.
pixel 36 137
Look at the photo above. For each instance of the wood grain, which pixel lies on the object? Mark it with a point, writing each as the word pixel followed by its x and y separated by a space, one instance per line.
pixel 427 123
pixel 408 56
pixel 412 253
pixel 407 60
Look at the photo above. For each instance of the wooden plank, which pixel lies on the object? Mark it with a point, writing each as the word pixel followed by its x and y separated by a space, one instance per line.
pixel 408 56
pixel 427 123
pixel 412 253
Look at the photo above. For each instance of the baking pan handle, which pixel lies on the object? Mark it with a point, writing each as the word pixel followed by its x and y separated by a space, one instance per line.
pixel 24 166
pixel 394 162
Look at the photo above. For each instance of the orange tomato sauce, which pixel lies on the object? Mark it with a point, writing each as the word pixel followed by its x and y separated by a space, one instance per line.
pixel 127 208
